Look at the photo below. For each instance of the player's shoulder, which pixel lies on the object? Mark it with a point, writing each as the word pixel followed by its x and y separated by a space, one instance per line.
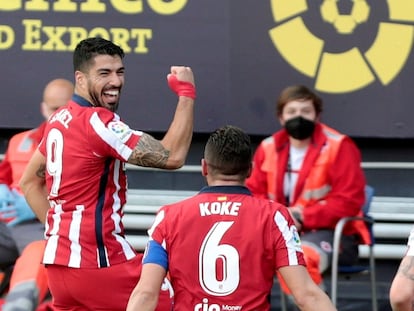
pixel 266 202
pixel 183 203
pixel 269 208
pixel 89 110
pixel 97 117
pixel 183 208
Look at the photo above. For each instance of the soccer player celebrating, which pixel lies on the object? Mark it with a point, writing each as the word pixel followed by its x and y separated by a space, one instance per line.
pixel 76 181
pixel 222 247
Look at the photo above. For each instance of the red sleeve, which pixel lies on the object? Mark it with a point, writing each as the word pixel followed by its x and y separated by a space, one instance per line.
pixel 288 250
pixel 257 182
pixel 347 195
pixel 5 171
pixel 119 138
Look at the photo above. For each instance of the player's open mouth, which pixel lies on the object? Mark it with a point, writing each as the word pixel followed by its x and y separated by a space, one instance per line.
pixel 111 97
pixel 111 93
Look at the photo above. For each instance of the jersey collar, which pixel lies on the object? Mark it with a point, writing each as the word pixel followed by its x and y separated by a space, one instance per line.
pixel 81 101
pixel 226 189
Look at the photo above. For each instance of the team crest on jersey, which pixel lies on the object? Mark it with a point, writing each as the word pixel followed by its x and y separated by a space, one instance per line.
pixel 121 130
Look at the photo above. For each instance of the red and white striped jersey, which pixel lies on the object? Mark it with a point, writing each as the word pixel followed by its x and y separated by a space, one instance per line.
pixel 86 149
pixel 224 247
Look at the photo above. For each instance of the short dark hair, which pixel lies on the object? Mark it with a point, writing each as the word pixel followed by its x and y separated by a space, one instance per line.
pixel 228 151
pixel 298 92
pixel 88 48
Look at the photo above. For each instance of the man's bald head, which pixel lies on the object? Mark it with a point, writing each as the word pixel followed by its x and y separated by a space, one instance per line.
pixel 56 94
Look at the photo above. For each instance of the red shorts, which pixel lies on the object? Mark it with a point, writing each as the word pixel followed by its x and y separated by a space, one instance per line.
pixel 98 289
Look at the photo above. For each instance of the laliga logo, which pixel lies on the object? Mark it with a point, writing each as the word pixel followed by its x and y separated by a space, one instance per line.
pixel 345 23
pixel 352 69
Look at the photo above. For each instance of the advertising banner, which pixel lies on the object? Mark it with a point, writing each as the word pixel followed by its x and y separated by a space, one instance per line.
pixel 357 55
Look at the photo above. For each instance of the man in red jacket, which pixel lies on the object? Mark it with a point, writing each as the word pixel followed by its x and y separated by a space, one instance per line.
pixel 316 171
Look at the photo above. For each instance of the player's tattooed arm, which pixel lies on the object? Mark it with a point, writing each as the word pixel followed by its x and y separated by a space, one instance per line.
pixel 407 268
pixel 149 152
pixel 41 171
pixel 402 287
pixel 33 185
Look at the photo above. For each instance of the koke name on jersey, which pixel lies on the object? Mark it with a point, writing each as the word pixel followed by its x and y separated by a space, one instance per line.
pixel 219 208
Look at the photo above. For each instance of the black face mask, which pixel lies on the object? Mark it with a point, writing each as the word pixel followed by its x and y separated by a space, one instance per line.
pixel 300 128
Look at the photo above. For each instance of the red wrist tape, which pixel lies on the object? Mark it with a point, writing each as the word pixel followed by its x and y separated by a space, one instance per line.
pixel 181 88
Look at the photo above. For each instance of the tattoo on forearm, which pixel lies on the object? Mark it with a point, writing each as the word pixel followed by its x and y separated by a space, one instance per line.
pixel 41 171
pixel 150 153
pixel 407 268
